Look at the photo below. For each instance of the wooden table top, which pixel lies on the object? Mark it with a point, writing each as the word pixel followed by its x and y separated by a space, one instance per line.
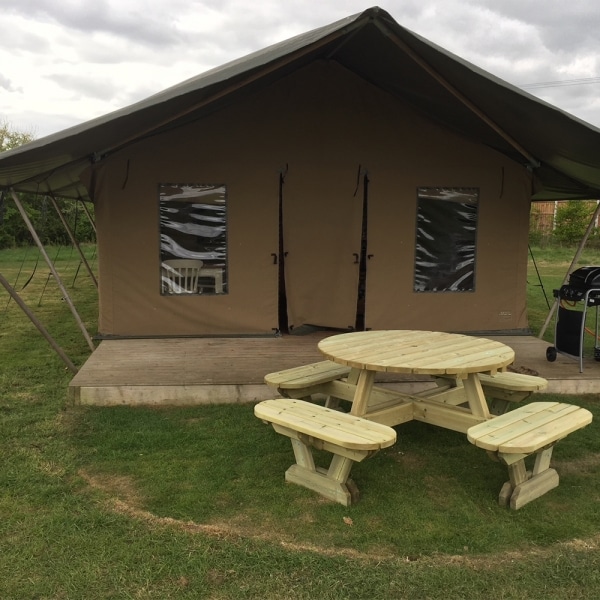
pixel 425 352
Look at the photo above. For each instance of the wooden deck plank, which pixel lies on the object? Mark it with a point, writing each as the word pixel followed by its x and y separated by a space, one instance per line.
pixel 188 370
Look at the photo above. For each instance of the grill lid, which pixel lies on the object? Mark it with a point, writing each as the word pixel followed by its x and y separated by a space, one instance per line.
pixel 585 278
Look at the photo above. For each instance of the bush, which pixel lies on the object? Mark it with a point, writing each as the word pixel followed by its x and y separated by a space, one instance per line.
pixel 47 223
pixel 572 220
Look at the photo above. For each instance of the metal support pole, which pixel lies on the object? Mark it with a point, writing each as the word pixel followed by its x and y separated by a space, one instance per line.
pixel 53 270
pixel 88 215
pixel 73 240
pixel 13 294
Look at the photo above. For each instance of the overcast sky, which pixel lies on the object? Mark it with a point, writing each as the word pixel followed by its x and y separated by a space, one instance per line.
pixel 67 61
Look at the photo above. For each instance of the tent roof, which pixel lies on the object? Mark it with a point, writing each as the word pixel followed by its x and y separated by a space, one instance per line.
pixel 563 150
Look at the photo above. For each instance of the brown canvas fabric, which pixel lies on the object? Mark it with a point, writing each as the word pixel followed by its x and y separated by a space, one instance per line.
pixel 324 129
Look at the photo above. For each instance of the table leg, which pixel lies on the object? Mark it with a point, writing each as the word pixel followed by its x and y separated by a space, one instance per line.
pixel 364 386
pixel 353 376
pixel 475 396
pixel 333 402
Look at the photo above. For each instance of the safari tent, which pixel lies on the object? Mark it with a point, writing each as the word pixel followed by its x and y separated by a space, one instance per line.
pixel 353 177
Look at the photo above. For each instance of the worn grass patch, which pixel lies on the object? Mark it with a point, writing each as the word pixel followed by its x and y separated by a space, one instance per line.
pixel 431 493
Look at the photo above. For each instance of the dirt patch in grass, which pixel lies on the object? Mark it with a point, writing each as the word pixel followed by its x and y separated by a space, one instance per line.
pixel 583 465
pixel 411 461
pixel 123 498
pixel 116 487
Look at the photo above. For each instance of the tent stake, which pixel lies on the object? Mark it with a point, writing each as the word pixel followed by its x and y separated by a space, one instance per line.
pixel 54 272
pixel 586 235
pixel 15 296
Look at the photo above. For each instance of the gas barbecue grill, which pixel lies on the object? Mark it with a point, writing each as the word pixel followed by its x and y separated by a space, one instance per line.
pixel 582 291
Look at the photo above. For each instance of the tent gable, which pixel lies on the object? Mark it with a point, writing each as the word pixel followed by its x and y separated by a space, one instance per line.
pixel 563 151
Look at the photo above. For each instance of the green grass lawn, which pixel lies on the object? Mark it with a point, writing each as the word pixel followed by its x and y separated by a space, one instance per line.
pixel 191 503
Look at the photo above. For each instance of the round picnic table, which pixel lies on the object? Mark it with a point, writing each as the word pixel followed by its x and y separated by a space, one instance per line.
pixel 420 352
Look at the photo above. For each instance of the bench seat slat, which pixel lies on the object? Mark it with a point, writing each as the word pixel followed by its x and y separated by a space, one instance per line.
pixel 551 432
pixel 514 416
pixel 318 418
pixel 307 375
pixel 329 425
pixel 517 382
pixel 529 428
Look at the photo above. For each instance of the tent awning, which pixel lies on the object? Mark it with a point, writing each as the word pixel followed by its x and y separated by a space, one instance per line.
pixel 563 150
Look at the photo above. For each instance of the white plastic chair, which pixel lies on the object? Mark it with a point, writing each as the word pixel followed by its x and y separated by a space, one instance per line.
pixel 180 275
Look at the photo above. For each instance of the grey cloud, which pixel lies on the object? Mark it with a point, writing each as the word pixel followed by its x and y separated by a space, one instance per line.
pixel 563 26
pixel 39 124
pixel 17 41
pixel 521 41
pixel 573 98
pixel 85 86
pixel 144 26
pixel 7 84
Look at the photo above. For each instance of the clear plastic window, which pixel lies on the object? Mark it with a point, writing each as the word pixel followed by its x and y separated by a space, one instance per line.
pixel 193 239
pixel 446 239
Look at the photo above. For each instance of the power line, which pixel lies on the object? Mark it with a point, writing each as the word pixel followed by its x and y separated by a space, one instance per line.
pixel 560 83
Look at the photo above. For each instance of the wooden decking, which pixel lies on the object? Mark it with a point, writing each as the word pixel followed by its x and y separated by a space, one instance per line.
pixel 227 370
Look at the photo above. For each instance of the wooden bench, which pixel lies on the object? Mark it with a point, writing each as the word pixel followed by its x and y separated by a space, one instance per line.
pixel 507 387
pixel 501 389
pixel 302 382
pixel 350 439
pixel 528 430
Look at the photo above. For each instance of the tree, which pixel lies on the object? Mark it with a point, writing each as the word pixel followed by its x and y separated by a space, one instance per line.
pixel 572 219
pixel 13 231
pixel 10 138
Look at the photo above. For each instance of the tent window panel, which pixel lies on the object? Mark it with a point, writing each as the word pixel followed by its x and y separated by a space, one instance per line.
pixel 446 239
pixel 193 239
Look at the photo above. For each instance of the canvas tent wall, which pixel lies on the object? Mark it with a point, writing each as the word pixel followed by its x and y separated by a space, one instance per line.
pixel 323 125
pixel 323 145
